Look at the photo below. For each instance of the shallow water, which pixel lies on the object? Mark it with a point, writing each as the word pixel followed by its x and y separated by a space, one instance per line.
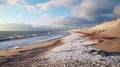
pixel 28 38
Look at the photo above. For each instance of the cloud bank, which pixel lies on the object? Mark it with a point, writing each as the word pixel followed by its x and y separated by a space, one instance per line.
pixel 86 12
pixel 91 8
pixel 90 12
pixel 23 27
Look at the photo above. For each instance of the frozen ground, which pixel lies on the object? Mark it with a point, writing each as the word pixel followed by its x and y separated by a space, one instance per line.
pixel 76 48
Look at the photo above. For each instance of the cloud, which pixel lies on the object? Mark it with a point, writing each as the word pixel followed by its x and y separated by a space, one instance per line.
pixel 12 3
pixel 50 24
pixel 2 1
pixel 16 3
pixel 22 27
pixel 70 22
pixel 90 8
pixel 117 11
pixel 63 22
pixel 30 8
pixel 60 22
pixel 1 6
pixel 43 7
pixel 14 27
pixel 40 7
pixel 57 3
pixel 62 3
pixel 87 12
pixel 44 21
pixel 85 9
pixel 20 16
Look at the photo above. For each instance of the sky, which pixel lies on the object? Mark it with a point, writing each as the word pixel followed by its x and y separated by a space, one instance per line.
pixel 25 15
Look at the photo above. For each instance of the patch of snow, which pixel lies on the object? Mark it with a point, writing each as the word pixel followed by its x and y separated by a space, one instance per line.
pixel 74 48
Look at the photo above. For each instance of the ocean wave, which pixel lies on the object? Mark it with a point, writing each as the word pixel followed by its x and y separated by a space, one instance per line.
pixel 20 41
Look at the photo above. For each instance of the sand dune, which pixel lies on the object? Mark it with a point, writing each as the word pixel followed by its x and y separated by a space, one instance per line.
pixel 111 28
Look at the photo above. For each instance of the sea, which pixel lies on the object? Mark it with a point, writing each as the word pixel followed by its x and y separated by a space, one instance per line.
pixel 17 39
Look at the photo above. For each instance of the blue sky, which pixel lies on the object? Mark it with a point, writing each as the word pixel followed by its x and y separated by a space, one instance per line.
pixel 34 2
pixel 55 14
pixel 11 14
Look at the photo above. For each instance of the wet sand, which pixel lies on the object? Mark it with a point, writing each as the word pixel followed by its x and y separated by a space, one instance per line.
pixel 26 55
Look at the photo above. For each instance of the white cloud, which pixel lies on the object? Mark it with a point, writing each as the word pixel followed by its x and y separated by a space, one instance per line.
pixel 12 2
pixel 40 7
pixel 20 16
pixel 1 6
pixel 16 3
pixel 43 21
pixel 43 7
pixel 30 7
pixel 89 8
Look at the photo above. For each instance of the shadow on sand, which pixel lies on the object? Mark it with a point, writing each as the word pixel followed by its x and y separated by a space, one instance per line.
pixel 114 53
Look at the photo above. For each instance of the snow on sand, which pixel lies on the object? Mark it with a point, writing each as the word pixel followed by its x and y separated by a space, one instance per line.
pixel 76 47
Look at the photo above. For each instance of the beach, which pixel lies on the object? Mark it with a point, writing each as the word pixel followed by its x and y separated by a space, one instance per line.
pixel 75 50
pixel 59 33
pixel 24 54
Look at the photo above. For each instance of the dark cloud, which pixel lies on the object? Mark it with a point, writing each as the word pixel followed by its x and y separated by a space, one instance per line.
pixel 74 22
pixel 97 11
pixel 71 22
pixel 89 13
pixel 90 8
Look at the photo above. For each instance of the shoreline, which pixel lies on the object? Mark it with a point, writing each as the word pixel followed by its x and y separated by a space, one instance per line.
pixel 18 43
pixel 77 51
pixel 38 49
pixel 74 48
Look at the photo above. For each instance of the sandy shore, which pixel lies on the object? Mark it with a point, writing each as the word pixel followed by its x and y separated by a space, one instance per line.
pixel 110 45
pixel 13 57
pixel 78 51
pixel 75 50
pixel 107 43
